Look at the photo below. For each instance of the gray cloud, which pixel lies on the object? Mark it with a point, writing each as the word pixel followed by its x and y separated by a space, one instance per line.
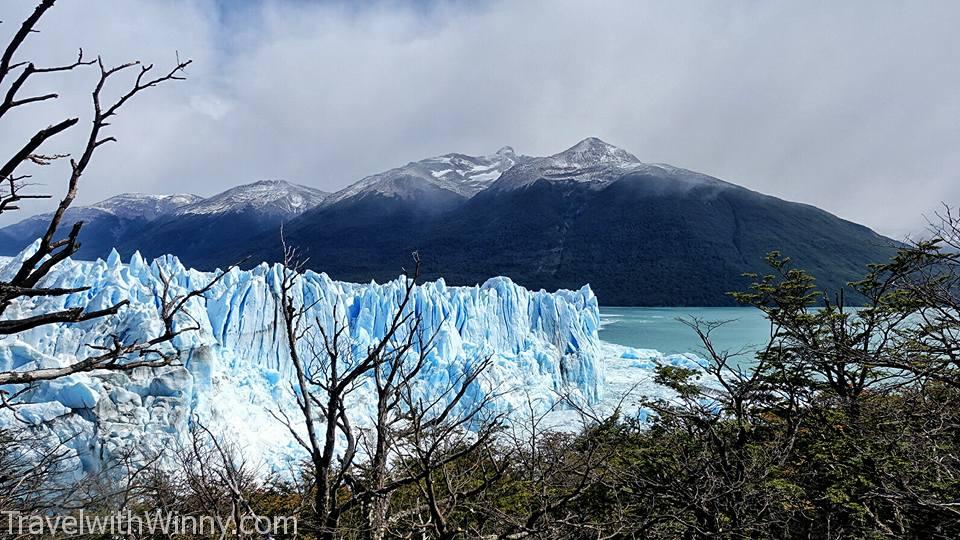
pixel 850 106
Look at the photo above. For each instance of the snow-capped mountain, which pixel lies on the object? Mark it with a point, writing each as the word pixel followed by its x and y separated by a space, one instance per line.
pixel 144 206
pixel 138 206
pixel 274 197
pixel 592 151
pixel 457 173
pixel 106 223
pixel 225 223
pixel 640 233
pixel 236 370
pixel 589 161
pixel 596 164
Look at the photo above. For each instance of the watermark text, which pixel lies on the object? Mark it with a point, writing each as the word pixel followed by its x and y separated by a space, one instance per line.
pixel 154 523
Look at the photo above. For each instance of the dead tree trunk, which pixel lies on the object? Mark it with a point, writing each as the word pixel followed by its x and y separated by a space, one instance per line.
pixel 54 248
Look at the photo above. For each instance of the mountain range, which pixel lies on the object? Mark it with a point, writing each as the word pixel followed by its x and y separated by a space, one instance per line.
pixel 638 233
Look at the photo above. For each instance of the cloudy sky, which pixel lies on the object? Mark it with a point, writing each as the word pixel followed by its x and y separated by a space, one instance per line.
pixel 852 106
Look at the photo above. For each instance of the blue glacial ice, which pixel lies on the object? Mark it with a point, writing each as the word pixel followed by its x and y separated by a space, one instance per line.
pixel 235 370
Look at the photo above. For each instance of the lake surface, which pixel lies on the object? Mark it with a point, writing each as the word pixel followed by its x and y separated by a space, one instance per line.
pixel 658 328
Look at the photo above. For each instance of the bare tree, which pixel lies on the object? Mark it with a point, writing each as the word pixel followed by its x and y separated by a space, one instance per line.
pixel 428 440
pixel 352 458
pixel 54 247
pixel 29 467
pixel 208 477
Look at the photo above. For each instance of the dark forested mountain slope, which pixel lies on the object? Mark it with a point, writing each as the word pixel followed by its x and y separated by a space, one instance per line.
pixel 646 240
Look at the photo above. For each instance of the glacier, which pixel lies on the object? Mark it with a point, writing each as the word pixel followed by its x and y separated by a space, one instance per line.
pixel 235 370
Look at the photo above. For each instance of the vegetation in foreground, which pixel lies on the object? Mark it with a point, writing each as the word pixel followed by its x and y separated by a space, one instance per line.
pixel 845 425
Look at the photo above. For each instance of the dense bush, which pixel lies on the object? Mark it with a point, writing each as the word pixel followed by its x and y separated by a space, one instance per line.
pixel 846 425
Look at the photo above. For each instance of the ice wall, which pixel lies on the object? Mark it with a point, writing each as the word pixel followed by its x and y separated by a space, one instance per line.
pixel 236 369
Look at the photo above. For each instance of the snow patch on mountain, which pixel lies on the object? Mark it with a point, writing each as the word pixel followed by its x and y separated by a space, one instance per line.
pixel 144 206
pixel 458 173
pixel 592 151
pixel 589 161
pixel 138 206
pixel 266 197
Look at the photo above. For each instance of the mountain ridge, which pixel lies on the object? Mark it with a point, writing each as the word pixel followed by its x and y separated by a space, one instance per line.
pixel 639 233
pixel 461 174
pixel 265 196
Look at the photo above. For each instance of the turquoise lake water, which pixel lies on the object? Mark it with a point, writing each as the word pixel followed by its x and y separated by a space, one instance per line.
pixel 658 328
